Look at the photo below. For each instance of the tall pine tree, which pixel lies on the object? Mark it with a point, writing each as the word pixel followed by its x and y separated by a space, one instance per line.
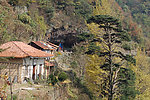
pixel 111 39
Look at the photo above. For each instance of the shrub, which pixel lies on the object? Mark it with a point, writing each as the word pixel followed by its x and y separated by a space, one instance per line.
pixel 62 76
pixel 52 79
pixel 56 72
pixel 26 19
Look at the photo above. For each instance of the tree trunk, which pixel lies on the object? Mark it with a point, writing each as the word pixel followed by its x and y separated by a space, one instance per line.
pixel 111 70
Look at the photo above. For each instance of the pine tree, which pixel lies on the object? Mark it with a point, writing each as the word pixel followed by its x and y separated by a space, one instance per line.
pixel 114 55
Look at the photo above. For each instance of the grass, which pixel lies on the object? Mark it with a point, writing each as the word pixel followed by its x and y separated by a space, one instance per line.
pixel 14 97
pixel 70 93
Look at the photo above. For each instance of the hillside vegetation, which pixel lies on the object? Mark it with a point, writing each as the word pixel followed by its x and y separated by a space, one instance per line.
pixel 108 39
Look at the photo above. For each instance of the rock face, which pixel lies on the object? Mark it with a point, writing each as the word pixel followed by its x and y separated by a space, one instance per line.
pixel 65 26
pixel 68 38
pixel 65 30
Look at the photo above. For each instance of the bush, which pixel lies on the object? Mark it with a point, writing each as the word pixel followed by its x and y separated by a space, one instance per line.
pixel 62 76
pixel 56 72
pixel 52 79
pixel 26 19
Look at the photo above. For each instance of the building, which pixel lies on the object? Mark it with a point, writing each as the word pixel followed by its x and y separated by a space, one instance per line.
pixel 23 61
pixel 44 46
pixel 50 48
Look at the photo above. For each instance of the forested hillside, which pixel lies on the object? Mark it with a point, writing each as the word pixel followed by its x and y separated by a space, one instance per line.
pixel 109 40
pixel 140 11
pixel 57 18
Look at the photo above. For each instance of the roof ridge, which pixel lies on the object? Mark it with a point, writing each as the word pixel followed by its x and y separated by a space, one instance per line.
pixel 20 48
pixel 52 44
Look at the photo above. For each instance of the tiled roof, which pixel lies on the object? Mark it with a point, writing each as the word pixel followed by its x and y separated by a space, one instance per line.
pixel 19 49
pixel 41 44
pixel 53 45
pixel 44 45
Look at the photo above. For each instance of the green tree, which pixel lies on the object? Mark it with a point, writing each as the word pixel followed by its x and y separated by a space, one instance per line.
pixel 83 8
pixel 127 88
pixel 142 73
pixel 111 41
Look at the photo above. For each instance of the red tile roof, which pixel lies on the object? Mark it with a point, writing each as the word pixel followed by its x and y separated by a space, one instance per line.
pixel 19 49
pixel 41 44
pixel 45 45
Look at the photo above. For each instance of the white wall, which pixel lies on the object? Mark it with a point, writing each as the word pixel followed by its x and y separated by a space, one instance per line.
pixel 33 61
pixel 28 65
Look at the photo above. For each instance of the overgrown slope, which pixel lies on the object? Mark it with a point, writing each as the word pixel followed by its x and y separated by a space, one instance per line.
pixel 65 21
